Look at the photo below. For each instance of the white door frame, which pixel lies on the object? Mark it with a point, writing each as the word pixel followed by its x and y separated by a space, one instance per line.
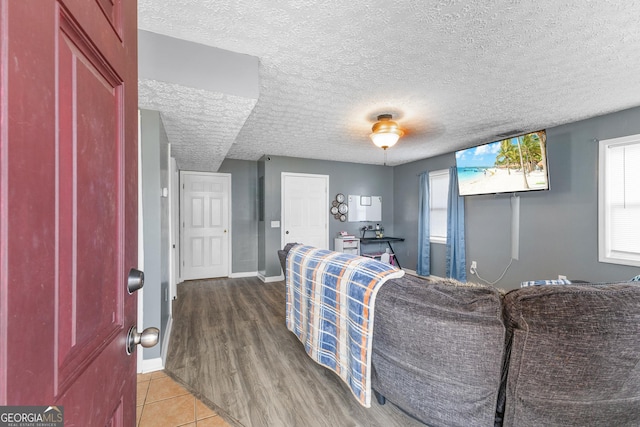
pixel 283 218
pixel 174 227
pixel 229 213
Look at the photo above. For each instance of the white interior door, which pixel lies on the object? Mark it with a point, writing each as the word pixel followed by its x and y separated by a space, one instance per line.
pixel 305 209
pixel 206 227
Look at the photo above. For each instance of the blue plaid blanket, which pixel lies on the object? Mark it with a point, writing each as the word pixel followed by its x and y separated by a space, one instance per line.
pixel 330 307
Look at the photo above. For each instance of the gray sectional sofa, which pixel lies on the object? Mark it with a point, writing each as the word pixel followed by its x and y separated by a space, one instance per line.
pixel 438 350
pixel 574 355
pixel 454 354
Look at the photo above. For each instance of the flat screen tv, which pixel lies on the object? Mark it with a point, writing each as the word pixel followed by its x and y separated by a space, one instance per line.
pixel 512 165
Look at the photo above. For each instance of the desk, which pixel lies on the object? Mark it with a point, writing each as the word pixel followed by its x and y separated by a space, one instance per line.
pixel 387 240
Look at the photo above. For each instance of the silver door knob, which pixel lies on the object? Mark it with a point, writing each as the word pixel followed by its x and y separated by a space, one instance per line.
pixel 147 338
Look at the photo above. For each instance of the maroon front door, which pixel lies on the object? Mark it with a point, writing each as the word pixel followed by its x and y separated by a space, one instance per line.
pixel 68 206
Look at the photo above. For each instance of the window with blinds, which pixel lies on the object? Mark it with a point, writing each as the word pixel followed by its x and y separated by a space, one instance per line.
pixel 619 201
pixel 438 196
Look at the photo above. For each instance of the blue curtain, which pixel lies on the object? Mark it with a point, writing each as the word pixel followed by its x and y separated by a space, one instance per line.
pixel 456 259
pixel 424 245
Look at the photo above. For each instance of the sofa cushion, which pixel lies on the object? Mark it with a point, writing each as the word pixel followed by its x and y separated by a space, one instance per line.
pixel 438 348
pixel 574 355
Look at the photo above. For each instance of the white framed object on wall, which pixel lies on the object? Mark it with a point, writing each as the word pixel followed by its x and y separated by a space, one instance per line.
pixel 619 200
pixel 364 208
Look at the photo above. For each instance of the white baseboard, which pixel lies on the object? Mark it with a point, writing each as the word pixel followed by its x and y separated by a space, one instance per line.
pixel 245 274
pixel 150 365
pixel 165 341
pixel 157 363
pixel 270 278
pixel 413 273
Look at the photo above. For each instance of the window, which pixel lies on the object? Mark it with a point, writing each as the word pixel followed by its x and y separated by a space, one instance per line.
pixel 619 201
pixel 438 197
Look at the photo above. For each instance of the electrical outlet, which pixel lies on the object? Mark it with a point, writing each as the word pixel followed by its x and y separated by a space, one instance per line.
pixel 473 268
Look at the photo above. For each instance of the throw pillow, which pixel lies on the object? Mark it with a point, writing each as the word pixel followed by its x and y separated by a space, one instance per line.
pixel 545 282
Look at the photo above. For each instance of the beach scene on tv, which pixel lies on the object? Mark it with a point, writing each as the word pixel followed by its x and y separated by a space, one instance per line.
pixel 511 165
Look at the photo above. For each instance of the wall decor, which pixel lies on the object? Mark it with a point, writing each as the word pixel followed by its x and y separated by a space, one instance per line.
pixel 339 208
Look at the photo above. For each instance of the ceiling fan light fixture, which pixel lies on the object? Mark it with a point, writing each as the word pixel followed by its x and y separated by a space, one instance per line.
pixel 386 132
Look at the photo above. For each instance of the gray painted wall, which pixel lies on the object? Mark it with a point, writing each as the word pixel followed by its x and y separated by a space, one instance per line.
pixel 165 229
pixel 244 221
pixel 346 178
pixel 558 228
pixel 155 211
pixel 405 188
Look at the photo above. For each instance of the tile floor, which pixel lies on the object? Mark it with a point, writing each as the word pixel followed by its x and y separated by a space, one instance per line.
pixel 162 402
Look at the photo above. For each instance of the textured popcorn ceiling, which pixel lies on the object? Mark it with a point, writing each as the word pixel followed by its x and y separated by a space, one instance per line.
pixel 200 125
pixel 453 73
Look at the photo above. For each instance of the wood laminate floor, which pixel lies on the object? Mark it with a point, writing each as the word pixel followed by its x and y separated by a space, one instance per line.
pixel 231 348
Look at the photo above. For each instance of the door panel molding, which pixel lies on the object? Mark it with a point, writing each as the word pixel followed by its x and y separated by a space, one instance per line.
pixel 88 186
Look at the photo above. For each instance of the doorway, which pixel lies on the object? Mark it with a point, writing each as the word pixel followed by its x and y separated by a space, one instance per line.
pixel 206 227
pixel 305 209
